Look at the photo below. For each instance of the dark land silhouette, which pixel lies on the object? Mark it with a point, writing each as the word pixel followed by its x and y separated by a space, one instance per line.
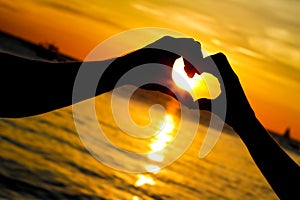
pixel 45 50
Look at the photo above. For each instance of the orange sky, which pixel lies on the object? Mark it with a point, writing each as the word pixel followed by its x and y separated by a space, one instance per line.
pixel 260 40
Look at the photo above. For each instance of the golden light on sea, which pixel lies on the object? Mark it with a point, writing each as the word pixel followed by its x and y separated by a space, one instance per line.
pixel 135 198
pixel 156 157
pixel 162 138
pixel 158 143
pixel 144 179
pixel 153 168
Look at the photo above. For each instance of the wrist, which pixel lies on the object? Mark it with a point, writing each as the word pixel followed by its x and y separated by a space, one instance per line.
pixel 246 123
pixel 251 130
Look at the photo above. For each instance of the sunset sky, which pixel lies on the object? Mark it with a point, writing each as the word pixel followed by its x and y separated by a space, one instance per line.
pixel 260 39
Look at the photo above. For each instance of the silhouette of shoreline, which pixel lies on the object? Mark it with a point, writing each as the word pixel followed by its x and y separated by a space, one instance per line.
pixel 21 47
pixel 48 51
pixel 286 142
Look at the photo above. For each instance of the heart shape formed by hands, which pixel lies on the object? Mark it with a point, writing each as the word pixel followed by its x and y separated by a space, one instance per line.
pixel 199 86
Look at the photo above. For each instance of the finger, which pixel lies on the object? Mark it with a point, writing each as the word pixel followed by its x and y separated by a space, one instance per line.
pixel 205 104
pixel 188 48
pixel 184 46
pixel 210 64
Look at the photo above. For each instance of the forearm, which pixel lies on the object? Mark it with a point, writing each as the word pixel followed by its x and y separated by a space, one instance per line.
pixel 31 87
pixel 277 167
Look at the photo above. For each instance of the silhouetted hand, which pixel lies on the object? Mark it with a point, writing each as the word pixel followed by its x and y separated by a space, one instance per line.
pixel 188 48
pixel 162 51
pixel 238 109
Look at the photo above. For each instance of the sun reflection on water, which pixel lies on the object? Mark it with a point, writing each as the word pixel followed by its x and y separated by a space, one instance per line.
pixel 153 168
pixel 135 198
pixel 156 157
pixel 158 143
pixel 144 179
pixel 162 138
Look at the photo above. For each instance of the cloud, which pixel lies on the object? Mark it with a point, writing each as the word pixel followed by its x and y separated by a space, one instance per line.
pixel 83 11
pixel 10 7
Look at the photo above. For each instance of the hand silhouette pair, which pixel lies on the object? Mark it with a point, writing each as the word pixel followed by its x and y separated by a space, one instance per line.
pixel 165 51
pixel 237 105
pixel 31 87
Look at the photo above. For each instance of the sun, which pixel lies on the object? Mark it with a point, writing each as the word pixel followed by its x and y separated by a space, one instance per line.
pixel 200 86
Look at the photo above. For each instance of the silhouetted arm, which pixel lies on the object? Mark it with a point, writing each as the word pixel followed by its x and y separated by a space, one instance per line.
pixel 31 87
pixel 281 172
pixel 277 167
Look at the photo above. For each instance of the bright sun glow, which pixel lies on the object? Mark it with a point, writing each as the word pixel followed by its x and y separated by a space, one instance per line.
pixel 200 86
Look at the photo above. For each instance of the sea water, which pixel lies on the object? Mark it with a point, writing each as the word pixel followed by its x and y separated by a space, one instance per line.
pixel 42 157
